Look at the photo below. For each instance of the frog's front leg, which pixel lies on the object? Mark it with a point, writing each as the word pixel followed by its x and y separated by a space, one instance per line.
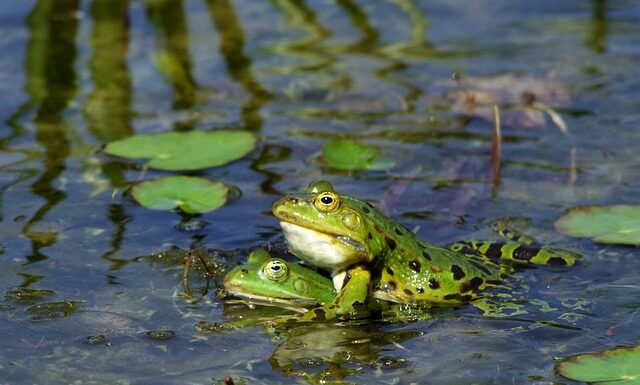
pixel 350 301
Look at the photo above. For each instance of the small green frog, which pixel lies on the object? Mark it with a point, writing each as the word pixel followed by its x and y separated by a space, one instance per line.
pixel 368 253
pixel 264 280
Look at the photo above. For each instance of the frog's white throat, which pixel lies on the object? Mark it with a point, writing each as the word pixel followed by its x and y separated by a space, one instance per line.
pixel 326 251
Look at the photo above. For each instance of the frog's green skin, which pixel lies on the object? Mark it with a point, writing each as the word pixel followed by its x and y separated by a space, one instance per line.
pixel 341 233
pixel 253 280
pixel 275 282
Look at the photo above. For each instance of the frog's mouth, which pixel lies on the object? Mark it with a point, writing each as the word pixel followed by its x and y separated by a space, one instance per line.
pixel 299 305
pixel 329 251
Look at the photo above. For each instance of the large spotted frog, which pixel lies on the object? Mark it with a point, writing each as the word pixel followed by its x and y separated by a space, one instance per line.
pixel 370 255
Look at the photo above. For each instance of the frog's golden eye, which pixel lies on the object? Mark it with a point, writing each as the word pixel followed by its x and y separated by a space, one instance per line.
pixel 327 201
pixel 275 270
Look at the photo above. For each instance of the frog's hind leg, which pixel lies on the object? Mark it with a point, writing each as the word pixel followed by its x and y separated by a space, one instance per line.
pixel 511 234
pixel 518 253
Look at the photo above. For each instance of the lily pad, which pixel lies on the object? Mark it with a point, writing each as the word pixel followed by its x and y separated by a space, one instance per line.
pixel 191 194
pixel 614 366
pixel 605 224
pixel 351 155
pixel 191 150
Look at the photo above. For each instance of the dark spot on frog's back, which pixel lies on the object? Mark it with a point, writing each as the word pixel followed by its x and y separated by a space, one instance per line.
pixel 369 235
pixel 458 297
pixel 398 231
pixel 458 273
pixel 434 284
pixel 408 292
pixel 556 261
pixel 420 290
pixel 494 252
pixel 476 282
pixel 426 255
pixel 390 242
pixel 389 270
pixel 525 253
pixel 415 266
pixel 319 315
pixel 391 285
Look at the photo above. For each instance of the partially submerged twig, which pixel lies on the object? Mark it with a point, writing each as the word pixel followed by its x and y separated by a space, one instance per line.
pixel 496 148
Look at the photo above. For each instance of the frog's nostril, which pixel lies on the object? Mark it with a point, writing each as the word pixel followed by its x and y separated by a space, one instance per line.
pixel 293 200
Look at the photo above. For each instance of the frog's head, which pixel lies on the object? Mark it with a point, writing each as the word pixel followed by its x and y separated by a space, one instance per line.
pixel 275 282
pixel 325 228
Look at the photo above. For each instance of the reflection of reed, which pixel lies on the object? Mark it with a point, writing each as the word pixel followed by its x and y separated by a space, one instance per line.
pixel 172 57
pixel 51 86
pixel 369 39
pixel 238 63
pixel 300 16
pixel 321 54
pixel 108 108
pixel 597 41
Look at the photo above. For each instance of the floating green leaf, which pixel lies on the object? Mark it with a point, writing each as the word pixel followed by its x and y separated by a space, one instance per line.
pixel 605 224
pixel 191 194
pixel 614 366
pixel 191 150
pixel 350 155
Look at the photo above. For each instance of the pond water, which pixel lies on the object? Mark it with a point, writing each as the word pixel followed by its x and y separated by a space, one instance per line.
pixel 417 80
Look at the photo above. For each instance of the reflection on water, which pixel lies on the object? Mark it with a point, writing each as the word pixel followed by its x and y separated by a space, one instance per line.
pixel 108 107
pixel 299 73
pixel 51 84
pixel 172 56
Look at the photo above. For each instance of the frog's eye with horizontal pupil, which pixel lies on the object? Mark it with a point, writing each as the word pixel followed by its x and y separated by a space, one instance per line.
pixel 327 201
pixel 275 270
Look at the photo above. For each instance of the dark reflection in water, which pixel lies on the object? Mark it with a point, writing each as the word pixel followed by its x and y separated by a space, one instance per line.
pixel 172 55
pixel 118 217
pixel 369 35
pixel 232 40
pixel 108 108
pixel 51 84
pixel 599 26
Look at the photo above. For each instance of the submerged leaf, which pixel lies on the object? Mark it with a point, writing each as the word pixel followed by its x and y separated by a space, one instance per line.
pixel 613 366
pixel 351 155
pixel 191 194
pixel 185 150
pixel 605 224
pixel 54 310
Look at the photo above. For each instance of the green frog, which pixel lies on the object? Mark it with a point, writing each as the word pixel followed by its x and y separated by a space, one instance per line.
pixel 264 280
pixel 368 254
